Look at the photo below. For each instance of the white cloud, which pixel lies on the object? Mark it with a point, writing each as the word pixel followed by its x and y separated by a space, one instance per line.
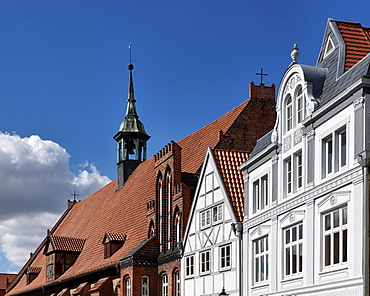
pixel 35 182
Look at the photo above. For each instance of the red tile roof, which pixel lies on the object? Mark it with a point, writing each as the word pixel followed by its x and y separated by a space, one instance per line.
pixel 228 163
pixel 357 40
pixel 194 146
pixel 70 244
pixel 6 278
pixel 124 211
pixel 34 269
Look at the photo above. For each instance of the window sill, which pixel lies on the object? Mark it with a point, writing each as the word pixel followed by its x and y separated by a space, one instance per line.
pixel 225 269
pixel 292 278
pixel 331 269
pixel 260 285
pixel 205 273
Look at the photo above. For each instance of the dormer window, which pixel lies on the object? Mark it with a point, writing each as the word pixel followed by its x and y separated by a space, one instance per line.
pixel 61 253
pixel 32 273
pixel 112 243
pixel 294 106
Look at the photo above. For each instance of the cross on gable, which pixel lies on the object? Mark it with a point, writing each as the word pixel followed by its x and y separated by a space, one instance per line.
pixel 261 74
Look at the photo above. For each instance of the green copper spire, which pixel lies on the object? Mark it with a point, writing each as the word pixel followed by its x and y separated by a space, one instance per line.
pixel 131 137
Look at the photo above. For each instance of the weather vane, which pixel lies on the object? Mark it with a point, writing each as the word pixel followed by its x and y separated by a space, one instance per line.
pixel 261 74
pixel 129 46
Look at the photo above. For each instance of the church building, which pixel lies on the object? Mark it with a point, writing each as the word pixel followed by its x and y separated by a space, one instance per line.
pixel 306 226
pixel 126 238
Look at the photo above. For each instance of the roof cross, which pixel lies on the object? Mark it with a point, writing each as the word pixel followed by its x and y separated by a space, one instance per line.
pixel 261 74
pixel 74 195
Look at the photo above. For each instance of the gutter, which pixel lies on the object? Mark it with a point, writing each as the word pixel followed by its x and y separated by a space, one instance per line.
pixel 364 160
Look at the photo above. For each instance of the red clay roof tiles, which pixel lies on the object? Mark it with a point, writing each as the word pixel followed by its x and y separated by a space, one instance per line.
pixel 228 163
pixel 70 244
pixel 357 40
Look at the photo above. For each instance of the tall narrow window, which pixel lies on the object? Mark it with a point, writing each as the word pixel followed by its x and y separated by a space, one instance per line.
pixel 264 191
pixel 342 135
pixel 127 286
pixel 177 227
pixel 164 285
pixel 189 265
pixel 293 253
pixel 217 213
pixel 256 196
pixel 288 175
pixel 298 157
pixel 225 257
pixel 169 224
pixel 176 282
pixel 299 105
pixel 145 286
pixel 335 237
pixel 260 249
pixel 205 262
pixel 289 113
pixel 160 193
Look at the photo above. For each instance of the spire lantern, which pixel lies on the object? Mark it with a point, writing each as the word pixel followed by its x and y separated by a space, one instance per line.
pixel 131 137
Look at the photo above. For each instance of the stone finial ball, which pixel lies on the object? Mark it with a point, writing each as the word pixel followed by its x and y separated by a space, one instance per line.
pixel 130 67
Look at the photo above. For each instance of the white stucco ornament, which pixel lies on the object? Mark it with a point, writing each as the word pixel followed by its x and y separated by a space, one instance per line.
pixel 295 53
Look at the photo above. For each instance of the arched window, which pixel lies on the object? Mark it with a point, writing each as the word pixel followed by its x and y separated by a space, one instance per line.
pixel 289 113
pixel 177 227
pixel 145 286
pixel 299 106
pixel 151 231
pixel 160 201
pixel 164 285
pixel 127 286
pixel 169 187
pixel 176 282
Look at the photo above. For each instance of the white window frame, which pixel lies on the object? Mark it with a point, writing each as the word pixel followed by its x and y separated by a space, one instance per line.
pixel 261 196
pixel 332 232
pixel 260 260
pixel 211 216
pixel 293 250
pixel 288 113
pixel 225 257
pixel 177 283
pixel 205 218
pixel 189 265
pixel 299 104
pixel 217 212
pixel 144 285
pixel 334 151
pixel 298 166
pixel 205 262
pixel 288 175
pixel 127 286
pixel 164 285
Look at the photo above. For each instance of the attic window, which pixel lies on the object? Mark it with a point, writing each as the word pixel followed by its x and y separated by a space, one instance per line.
pixel 32 273
pixel 112 243
pixel 61 253
pixel 329 48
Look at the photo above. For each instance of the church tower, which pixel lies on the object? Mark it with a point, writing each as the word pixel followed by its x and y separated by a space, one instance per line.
pixel 131 138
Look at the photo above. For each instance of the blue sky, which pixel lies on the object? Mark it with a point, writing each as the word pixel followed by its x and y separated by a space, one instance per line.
pixel 64 79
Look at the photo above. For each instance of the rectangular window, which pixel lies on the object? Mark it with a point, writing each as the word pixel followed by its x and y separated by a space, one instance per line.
pixel 288 173
pixel 335 237
pixel 342 137
pixel 298 157
pixel 293 253
pixel 205 262
pixel 256 196
pixel 260 194
pixel 217 213
pixel 299 108
pixel 225 257
pixel 189 265
pixel 260 250
pixel 206 218
pixel 334 151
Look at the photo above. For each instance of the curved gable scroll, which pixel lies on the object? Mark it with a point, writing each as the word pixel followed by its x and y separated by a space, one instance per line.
pixel 299 82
